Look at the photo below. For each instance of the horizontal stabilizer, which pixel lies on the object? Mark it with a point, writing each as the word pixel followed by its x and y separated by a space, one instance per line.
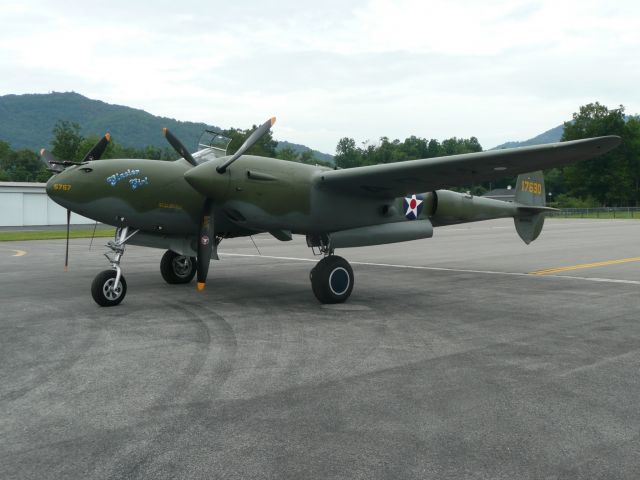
pixel 533 209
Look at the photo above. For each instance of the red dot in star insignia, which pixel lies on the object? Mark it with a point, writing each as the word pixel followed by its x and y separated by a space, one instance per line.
pixel 413 203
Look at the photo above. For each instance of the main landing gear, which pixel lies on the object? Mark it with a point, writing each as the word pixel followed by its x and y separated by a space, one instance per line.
pixel 109 287
pixel 332 278
pixel 176 268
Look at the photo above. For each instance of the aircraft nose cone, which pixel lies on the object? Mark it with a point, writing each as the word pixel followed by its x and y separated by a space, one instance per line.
pixel 207 181
pixel 60 188
pixel 49 187
pixel 56 187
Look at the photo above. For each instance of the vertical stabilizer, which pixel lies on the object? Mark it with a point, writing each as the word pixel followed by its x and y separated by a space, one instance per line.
pixel 530 199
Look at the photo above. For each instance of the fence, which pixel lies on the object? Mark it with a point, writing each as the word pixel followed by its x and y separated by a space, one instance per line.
pixel 603 212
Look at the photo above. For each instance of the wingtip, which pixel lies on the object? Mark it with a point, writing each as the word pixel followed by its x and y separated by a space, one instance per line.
pixel 164 131
pixel 107 136
pixel 273 120
pixel 610 142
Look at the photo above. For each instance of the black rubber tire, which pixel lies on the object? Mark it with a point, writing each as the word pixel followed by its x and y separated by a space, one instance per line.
pixel 332 279
pixel 100 286
pixel 176 268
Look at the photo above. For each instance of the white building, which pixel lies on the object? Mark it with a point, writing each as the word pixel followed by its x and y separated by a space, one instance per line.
pixel 23 204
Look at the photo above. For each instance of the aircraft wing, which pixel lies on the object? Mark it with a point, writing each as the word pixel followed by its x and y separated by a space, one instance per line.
pixel 399 179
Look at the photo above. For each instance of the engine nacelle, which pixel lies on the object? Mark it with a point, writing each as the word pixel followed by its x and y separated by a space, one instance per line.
pixel 445 207
pixel 374 235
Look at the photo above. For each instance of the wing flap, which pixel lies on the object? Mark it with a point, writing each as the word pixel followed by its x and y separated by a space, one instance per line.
pixel 392 180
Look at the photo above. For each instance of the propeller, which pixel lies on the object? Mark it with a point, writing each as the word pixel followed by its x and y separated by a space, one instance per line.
pixel 248 143
pixel 98 149
pixel 206 243
pixel 57 166
pixel 207 246
pixel 54 165
pixel 178 146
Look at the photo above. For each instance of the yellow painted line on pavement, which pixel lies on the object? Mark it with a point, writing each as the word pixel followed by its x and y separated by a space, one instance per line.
pixel 584 265
pixel 18 253
pixel 439 269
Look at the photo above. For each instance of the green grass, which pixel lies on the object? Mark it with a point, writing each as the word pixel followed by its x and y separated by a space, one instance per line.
pixel 603 215
pixel 20 235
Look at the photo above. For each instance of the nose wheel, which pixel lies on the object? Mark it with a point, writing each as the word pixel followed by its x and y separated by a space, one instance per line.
pixel 109 287
pixel 105 291
pixel 332 279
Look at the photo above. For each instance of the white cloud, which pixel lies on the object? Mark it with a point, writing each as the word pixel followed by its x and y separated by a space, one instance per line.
pixel 499 70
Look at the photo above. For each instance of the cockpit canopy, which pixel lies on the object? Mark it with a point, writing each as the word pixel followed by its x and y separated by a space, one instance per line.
pixel 211 145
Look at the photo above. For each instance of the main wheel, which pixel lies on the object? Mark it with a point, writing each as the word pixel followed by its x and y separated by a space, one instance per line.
pixel 103 290
pixel 332 279
pixel 176 268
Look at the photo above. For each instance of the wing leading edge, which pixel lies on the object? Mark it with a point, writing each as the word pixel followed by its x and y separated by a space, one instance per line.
pixel 402 178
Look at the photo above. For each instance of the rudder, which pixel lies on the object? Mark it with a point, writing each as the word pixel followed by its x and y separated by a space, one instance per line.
pixel 530 200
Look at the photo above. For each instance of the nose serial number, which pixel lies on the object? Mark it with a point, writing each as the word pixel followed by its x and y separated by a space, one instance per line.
pixel 65 187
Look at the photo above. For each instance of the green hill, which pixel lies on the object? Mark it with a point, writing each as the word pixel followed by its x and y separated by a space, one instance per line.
pixel 296 147
pixel 550 136
pixel 26 121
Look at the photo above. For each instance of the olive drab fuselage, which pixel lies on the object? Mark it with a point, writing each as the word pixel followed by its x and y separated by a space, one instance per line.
pixel 255 194
pixel 154 196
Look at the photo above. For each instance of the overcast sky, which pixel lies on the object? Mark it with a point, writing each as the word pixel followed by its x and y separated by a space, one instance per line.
pixel 498 70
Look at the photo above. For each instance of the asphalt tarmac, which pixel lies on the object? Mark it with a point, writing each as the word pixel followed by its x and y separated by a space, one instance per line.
pixel 450 360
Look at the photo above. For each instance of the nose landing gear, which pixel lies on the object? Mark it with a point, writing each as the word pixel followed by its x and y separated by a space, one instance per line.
pixel 109 287
pixel 105 291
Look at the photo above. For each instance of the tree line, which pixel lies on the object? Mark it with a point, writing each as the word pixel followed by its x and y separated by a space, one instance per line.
pixel 610 180
pixel 69 144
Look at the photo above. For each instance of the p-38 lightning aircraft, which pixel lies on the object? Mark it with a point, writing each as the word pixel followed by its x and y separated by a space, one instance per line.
pixel 190 205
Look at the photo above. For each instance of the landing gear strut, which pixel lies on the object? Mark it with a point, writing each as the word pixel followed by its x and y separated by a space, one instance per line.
pixel 109 287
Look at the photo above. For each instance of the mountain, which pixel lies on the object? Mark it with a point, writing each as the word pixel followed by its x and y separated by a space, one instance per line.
pixel 26 121
pixel 550 136
pixel 296 147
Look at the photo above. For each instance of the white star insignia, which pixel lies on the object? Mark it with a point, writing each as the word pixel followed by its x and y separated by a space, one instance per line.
pixel 412 206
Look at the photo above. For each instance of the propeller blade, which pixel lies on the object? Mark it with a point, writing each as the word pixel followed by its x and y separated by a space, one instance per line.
pixel 178 146
pixel 46 156
pixel 54 165
pixel 248 143
pixel 98 149
pixel 206 243
pixel 66 253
